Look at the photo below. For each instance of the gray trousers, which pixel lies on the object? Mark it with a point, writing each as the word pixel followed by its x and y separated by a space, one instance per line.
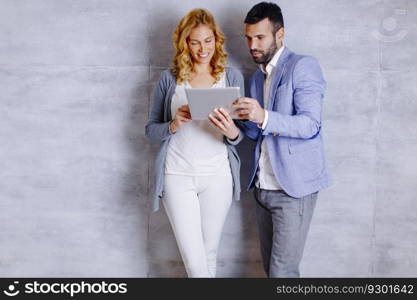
pixel 283 223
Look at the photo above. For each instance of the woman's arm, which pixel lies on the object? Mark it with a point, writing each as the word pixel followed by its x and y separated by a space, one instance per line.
pixel 157 130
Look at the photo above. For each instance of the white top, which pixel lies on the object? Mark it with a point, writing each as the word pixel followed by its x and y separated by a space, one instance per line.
pixel 197 148
pixel 265 178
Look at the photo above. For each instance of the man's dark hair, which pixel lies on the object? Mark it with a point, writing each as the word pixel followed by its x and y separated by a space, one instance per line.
pixel 266 10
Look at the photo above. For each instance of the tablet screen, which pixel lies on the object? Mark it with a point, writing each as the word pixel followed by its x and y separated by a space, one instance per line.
pixel 203 101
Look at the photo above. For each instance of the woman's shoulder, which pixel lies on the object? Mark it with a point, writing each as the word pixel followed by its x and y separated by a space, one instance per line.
pixel 233 72
pixel 165 83
pixel 167 76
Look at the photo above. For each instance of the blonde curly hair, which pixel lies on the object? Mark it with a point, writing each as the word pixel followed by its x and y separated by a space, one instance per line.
pixel 182 62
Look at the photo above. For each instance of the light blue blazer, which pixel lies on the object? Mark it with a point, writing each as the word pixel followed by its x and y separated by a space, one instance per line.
pixel 293 132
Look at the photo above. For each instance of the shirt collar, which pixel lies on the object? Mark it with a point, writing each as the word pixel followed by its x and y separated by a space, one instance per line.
pixel 273 62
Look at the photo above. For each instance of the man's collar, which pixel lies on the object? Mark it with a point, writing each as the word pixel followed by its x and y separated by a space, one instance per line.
pixel 273 62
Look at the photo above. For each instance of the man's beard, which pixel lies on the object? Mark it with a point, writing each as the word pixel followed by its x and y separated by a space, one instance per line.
pixel 266 56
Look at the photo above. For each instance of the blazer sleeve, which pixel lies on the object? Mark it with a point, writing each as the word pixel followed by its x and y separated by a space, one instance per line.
pixel 308 86
pixel 250 129
pixel 237 81
pixel 157 130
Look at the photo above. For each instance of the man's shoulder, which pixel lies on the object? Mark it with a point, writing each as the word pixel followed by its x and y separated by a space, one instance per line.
pixel 257 74
pixel 301 59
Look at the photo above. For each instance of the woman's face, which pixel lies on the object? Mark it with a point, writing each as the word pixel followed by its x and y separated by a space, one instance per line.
pixel 201 43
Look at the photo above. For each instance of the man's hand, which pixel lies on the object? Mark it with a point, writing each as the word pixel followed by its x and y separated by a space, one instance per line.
pixel 221 119
pixel 248 108
pixel 182 116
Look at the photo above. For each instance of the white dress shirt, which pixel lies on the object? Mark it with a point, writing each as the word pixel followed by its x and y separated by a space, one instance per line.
pixel 265 178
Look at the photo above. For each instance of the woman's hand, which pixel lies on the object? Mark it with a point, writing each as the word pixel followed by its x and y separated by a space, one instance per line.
pixel 221 119
pixel 182 116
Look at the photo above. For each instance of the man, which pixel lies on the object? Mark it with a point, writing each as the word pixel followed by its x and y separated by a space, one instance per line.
pixel 284 118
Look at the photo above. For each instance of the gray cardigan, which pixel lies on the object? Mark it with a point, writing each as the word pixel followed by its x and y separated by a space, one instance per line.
pixel 157 130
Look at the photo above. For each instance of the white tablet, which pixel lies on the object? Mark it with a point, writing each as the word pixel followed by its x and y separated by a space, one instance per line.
pixel 203 101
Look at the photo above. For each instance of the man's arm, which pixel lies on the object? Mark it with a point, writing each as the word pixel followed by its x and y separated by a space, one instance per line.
pixel 309 86
pixel 249 128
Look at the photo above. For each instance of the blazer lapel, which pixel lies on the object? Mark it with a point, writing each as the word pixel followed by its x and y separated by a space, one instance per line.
pixel 259 87
pixel 279 71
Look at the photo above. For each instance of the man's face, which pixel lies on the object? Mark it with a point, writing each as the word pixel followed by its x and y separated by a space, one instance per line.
pixel 262 43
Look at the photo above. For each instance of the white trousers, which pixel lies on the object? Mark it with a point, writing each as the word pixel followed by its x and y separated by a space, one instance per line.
pixel 197 207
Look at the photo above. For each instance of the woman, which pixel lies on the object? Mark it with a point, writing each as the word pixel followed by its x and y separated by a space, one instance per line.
pixel 197 167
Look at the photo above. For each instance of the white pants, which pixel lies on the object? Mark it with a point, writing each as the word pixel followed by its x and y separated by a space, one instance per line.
pixel 197 207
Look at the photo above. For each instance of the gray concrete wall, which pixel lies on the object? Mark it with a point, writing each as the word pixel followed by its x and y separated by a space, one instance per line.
pixel 75 169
